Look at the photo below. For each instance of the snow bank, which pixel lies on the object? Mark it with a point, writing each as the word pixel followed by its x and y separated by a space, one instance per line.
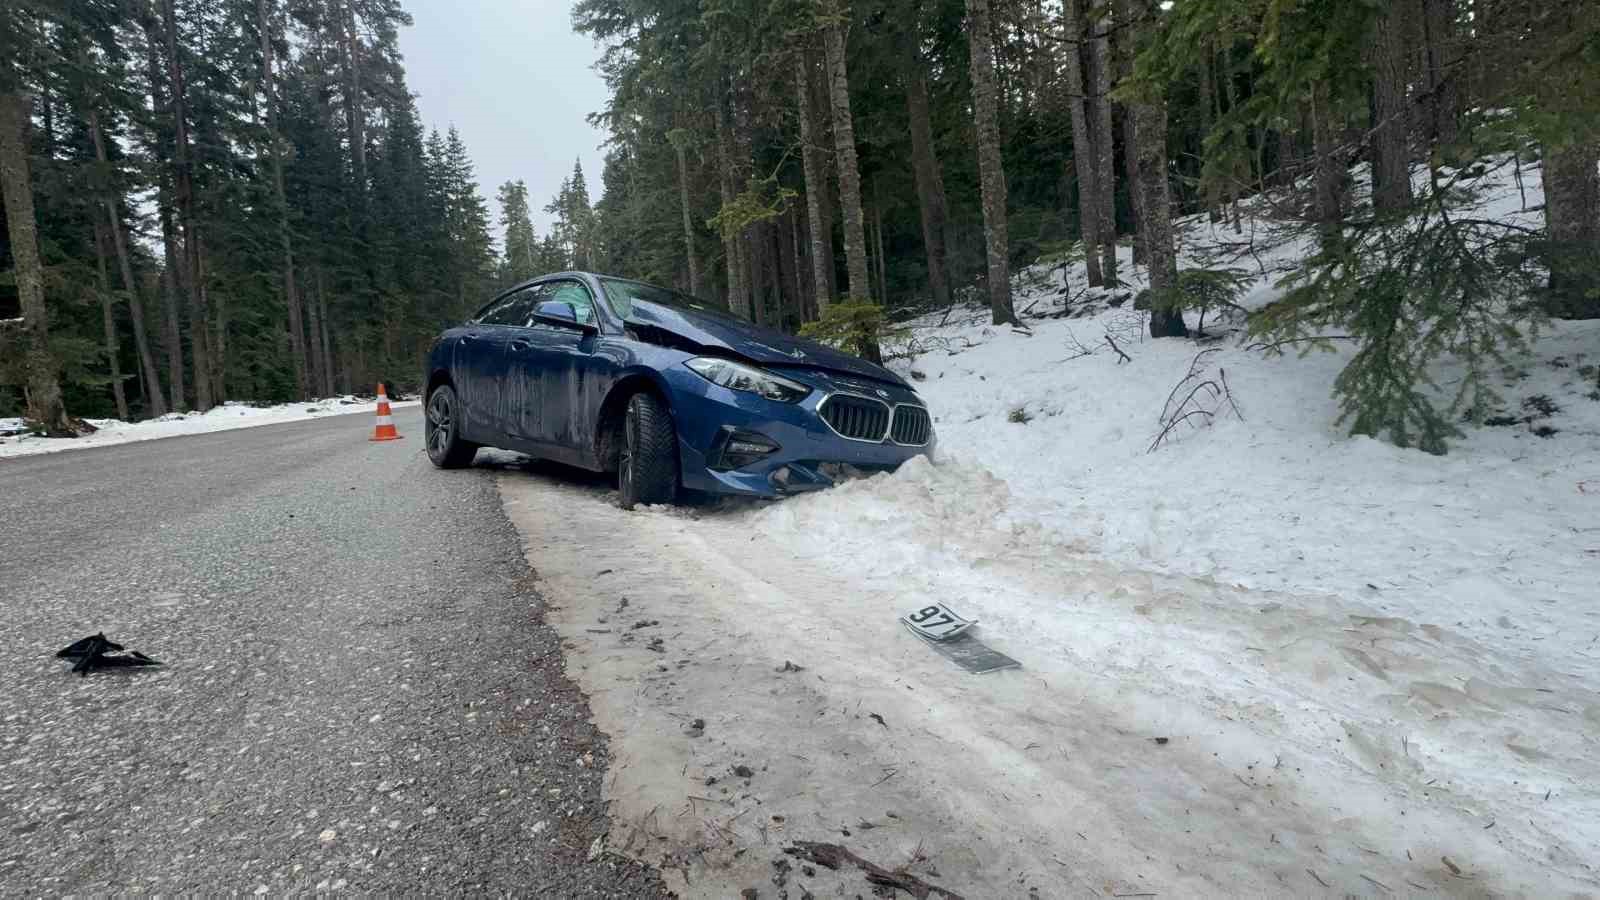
pixel 1263 659
pixel 1415 636
pixel 222 418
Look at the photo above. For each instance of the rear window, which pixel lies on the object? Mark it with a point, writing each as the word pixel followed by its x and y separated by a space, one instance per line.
pixel 622 294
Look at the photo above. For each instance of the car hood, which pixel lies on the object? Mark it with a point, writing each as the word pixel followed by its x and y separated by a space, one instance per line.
pixel 716 331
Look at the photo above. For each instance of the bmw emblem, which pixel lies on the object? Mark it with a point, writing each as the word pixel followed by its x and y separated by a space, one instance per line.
pixel 883 393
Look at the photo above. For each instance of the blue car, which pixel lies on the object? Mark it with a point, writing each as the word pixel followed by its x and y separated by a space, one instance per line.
pixel 670 392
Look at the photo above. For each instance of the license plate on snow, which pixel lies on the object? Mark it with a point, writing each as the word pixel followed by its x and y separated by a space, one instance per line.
pixel 936 622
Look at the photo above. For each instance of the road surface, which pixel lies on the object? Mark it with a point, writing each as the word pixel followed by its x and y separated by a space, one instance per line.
pixel 359 692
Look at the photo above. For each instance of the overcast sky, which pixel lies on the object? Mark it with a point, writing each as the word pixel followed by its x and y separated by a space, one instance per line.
pixel 517 82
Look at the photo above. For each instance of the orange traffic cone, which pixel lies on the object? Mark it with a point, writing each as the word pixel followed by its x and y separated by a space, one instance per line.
pixel 385 431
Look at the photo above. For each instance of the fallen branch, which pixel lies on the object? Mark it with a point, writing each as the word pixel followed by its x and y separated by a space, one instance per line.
pixel 1223 375
pixel 1191 408
pixel 1079 349
pixel 1113 342
pixel 1378 883
pixel 833 856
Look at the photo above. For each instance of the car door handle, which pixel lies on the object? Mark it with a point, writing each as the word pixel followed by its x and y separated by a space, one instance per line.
pixel 520 344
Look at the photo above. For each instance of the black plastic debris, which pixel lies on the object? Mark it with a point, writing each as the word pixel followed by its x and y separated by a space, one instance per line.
pixel 95 652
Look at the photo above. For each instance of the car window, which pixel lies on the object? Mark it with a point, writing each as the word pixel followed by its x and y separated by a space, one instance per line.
pixel 570 292
pixel 621 293
pixel 513 310
pixel 490 309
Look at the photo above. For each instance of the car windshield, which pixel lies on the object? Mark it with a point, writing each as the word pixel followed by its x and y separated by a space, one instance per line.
pixel 622 294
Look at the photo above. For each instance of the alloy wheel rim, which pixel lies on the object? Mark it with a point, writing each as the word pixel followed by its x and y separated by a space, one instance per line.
pixel 438 424
pixel 630 440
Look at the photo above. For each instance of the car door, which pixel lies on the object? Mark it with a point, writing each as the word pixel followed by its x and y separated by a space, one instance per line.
pixel 524 368
pixel 569 375
pixel 481 362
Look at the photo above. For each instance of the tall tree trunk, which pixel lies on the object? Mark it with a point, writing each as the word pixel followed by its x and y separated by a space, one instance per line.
pixel 1105 175
pixel 1130 152
pixel 1391 176
pixel 47 109
pixel 792 310
pixel 1572 218
pixel 183 178
pixel 733 250
pixel 1209 114
pixel 173 330
pixel 802 285
pixel 1330 173
pixel 751 246
pixel 323 329
pixel 170 286
pixel 816 184
pixel 772 234
pixel 688 218
pixel 877 227
pixel 291 296
pixel 1444 75
pixel 219 337
pixel 754 249
pixel 108 322
pixel 155 403
pixel 1083 154
pixel 930 183
pixel 1285 170
pixel 1230 94
pixel 844 142
pixel 822 130
pixel 355 116
pixel 316 380
pixel 991 171
pixel 1161 255
pixel 43 385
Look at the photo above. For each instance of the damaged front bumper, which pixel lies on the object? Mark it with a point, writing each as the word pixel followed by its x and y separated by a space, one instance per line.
pixel 721 434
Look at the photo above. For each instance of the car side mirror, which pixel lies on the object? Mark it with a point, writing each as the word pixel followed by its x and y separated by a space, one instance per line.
pixel 561 314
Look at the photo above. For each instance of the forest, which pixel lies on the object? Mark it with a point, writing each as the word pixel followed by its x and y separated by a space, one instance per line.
pixel 236 199
pixel 221 200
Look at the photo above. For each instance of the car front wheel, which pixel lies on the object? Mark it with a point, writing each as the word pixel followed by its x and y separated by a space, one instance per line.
pixel 647 471
pixel 443 431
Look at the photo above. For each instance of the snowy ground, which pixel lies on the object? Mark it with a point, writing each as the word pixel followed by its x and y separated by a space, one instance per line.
pixel 1375 670
pixel 14 441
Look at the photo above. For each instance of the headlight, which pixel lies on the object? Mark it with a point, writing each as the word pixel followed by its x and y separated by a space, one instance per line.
pixel 738 377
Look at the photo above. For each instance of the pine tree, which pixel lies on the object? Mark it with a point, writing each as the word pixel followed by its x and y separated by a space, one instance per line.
pixel 471 246
pixel 573 226
pixel 522 253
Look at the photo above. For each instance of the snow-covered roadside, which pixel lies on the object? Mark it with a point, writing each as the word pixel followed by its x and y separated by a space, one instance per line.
pixel 1308 744
pixel 1416 634
pixel 223 418
pixel 1375 670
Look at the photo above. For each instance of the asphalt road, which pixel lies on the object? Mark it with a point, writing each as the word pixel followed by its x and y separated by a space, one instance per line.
pixel 359 690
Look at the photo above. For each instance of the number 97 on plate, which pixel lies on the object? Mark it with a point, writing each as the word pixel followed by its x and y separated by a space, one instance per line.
pixel 936 622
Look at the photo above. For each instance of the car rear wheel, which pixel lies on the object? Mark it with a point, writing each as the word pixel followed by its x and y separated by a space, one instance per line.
pixel 647 470
pixel 443 431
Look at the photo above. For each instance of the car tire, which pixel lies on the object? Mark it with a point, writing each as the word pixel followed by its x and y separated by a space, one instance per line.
pixel 442 431
pixel 647 470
